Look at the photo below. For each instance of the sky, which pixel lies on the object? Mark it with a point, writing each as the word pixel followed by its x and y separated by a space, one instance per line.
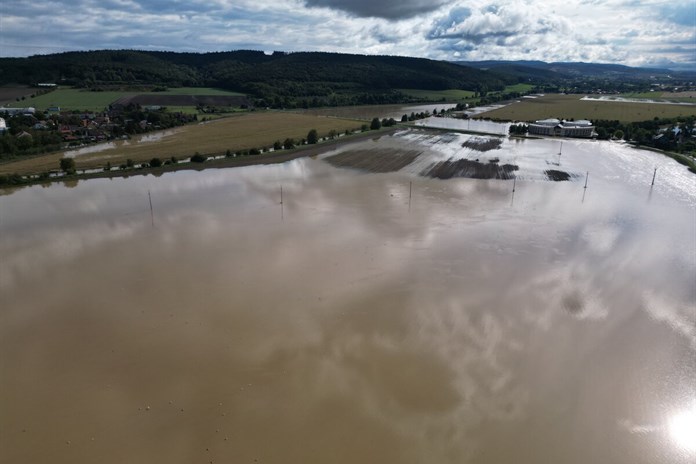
pixel 631 32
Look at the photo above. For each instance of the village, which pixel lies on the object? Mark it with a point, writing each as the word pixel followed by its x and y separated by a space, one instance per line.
pixel 26 131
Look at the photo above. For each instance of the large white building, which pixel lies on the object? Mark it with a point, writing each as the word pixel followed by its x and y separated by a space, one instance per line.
pixel 13 111
pixel 556 127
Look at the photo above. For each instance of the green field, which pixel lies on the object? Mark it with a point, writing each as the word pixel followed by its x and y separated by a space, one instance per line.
pixel 452 95
pixel 521 88
pixel 80 99
pixel 239 132
pixel 455 95
pixel 570 106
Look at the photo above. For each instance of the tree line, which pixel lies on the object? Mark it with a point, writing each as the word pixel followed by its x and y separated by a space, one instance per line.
pixel 303 79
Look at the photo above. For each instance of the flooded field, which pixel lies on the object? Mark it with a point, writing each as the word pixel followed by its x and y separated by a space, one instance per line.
pixel 100 147
pixel 476 125
pixel 370 317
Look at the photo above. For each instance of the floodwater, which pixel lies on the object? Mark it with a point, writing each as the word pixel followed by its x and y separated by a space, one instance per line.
pixel 100 147
pixel 476 125
pixel 354 322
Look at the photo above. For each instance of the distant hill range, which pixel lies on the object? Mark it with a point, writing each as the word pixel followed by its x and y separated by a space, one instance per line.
pixel 277 74
pixel 562 70
pixel 304 78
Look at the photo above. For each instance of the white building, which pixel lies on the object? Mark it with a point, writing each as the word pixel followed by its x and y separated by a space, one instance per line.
pixel 556 127
pixel 13 111
pixel 3 125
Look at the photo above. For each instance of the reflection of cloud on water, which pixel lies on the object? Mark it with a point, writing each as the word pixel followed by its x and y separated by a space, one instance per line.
pixel 641 429
pixel 601 238
pixel 681 317
pixel 29 256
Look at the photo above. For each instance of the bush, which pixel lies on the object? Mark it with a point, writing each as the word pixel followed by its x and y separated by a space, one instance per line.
pixel 254 151
pixel 198 158
pixel 67 165
pixel 312 137
pixel 155 162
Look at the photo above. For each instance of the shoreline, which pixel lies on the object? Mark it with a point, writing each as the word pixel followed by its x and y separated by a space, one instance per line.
pixel 279 157
pixel 222 163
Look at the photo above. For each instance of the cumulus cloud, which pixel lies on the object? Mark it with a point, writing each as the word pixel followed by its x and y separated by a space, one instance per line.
pixel 646 32
pixel 388 10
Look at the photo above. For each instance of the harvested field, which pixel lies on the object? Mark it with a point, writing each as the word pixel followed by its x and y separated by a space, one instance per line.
pixel 439 95
pixel 471 169
pixel 184 100
pixel 483 144
pixel 241 132
pixel 10 94
pixel 571 106
pixel 375 160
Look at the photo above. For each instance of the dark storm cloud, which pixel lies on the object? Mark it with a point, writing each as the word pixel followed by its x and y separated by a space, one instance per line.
pixel 388 10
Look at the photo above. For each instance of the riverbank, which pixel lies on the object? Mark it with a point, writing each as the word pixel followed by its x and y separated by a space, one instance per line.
pixel 274 157
pixel 678 157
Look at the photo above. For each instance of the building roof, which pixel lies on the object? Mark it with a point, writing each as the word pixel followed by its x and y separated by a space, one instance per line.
pixel 578 123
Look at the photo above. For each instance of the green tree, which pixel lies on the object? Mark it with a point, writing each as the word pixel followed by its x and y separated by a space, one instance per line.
pixel 288 143
pixel 375 124
pixel 618 134
pixel 67 165
pixel 155 162
pixel 277 145
pixel 312 137
pixel 198 158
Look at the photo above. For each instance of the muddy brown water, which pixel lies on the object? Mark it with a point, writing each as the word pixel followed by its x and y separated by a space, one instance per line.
pixel 353 322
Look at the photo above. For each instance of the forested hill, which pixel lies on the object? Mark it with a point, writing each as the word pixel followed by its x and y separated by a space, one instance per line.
pixel 556 70
pixel 279 74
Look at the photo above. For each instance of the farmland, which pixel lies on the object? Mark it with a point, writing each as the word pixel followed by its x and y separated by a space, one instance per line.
pixel 241 132
pixel 571 106
pixel 683 97
pixel 9 93
pixel 451 95
pixel 80 99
